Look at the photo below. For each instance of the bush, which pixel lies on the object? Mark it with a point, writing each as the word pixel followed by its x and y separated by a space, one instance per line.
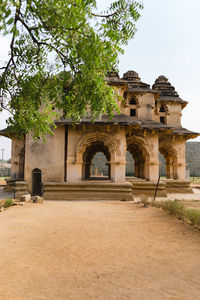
pixel 8 202
pixel 144 200
pixel 175 209
pixel 178 210
pixel 193 216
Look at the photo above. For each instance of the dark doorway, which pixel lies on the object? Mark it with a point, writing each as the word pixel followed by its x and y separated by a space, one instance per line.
pixel 133 112
pixel 162 120
pixel 36 182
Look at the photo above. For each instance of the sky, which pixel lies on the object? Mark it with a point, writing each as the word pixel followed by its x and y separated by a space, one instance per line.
pixel 167 43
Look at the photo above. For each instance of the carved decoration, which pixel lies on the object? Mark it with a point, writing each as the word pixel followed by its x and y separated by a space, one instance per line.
pixel 97 136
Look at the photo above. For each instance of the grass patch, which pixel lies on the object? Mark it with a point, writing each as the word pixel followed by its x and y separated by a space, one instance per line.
pixel 177 209
pixel 193 217
pixel 195 179
pixel 8 202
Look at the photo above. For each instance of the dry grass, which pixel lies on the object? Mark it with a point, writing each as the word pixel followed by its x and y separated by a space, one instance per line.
pixel 177 209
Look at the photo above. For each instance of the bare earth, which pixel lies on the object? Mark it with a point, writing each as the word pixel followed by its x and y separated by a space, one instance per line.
pixel 96 250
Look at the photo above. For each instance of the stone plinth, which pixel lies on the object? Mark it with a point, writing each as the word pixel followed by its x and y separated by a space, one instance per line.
pixel 87 191
pixel 178 186
pixel 20 189
pixel 148 188
pixel 10 185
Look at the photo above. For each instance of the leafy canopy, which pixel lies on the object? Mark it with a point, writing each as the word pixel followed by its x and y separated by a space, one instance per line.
pixel 60 53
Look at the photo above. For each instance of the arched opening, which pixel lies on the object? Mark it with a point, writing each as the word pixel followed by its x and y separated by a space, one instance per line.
pixel 96 162
pixel 133 101
pixel 140 160
pixel 99 165
pixel 170 157
pixel 36 182
pixel 162 165
pixel 162 108
pixel 130 166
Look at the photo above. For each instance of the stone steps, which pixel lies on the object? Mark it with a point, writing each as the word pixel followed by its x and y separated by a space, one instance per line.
pixel 87 191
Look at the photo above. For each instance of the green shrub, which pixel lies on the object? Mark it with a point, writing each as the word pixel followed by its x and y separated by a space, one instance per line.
pixel 173 207
pixel 8 202
pixel 193 216
pixel 178 210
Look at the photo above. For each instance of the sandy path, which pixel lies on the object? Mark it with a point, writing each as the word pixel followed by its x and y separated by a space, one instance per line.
pixel 96 250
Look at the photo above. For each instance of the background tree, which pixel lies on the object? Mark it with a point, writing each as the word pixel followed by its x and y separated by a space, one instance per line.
pixel 83 45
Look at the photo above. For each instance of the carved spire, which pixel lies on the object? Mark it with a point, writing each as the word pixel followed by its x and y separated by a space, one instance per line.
pixel 164 86
pixel 131 76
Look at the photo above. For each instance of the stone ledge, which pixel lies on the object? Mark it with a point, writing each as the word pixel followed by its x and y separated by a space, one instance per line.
pixel 87 191
pixel 148 188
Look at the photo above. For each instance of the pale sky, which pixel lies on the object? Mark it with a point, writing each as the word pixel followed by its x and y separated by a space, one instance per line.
pixel 167 43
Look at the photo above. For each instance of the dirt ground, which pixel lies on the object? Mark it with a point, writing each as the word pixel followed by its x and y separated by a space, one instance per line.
pixel 96 250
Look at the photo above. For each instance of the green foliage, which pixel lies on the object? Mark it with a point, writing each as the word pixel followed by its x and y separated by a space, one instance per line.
pixel 193 216
pixel 8 202
pixel 177 209
pixel 83 45
pixel 174 208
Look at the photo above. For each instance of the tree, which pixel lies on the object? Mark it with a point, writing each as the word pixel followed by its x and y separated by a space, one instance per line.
pixel 60 53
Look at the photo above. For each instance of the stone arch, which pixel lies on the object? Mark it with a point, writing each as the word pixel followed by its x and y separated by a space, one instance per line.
pixel 139 151
pixel 163 108
pixel 97 136
pixel 133 100
pixel 171 160
pixel 88 155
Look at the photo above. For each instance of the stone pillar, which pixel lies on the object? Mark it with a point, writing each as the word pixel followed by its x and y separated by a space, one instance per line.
pixel 136 170
pixel 118 171
pixel 139 170
pixel 181 171
pixel 143 175
pixel 152 171
pixel 169 168
pixel 74 171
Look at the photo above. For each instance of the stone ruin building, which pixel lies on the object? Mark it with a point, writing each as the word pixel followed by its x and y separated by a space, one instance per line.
pixel 149 122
